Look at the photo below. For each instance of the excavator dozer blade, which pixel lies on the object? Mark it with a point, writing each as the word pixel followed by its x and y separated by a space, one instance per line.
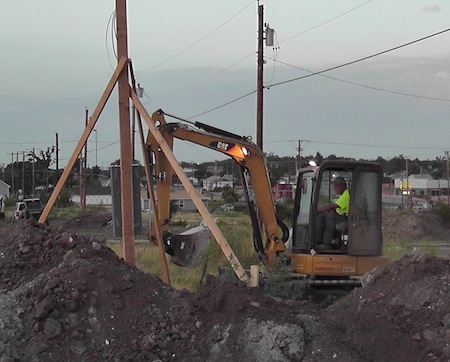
pixel 186 249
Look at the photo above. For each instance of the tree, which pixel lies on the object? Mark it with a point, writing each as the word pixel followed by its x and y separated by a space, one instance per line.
pixel 229 195
pixel 41 166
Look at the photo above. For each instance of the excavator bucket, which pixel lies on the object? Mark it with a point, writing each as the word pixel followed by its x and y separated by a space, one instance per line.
pixel 186 249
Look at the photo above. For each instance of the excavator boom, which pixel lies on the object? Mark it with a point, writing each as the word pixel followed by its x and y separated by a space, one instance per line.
pixel 253 168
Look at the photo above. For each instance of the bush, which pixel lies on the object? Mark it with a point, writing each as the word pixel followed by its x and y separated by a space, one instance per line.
pixel 443 212
pixel 229 195
pixel 285 210
pixel 10 202
pixel 64 199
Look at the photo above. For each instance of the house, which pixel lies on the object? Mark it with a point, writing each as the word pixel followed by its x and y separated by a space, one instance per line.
pixel 4 188
pixel 95 196
pixel 180 198
pixel 435 190
pixel 213 182
pixel 282 191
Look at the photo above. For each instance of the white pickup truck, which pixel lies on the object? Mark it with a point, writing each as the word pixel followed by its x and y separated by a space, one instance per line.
pixel 27 208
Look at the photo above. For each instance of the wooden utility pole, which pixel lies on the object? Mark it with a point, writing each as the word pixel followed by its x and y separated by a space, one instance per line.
pixel 259 94
pixel 57 156
pixel 448 181
pixel 121 66
pixel 12 172
pixel 23 171
pixel 33 176
pixel 83 167
pixel 126 185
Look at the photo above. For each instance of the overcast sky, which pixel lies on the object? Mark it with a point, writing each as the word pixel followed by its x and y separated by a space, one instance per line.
pixel 195 56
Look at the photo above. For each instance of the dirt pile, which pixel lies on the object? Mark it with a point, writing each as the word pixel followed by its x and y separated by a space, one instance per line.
pixel 404 224
pixel 67 297
pixel 403 305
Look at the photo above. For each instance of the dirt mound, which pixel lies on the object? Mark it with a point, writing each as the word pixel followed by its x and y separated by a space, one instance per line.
pixel 406 225
pixel 92 218
pixel 67 297
pixel 401 314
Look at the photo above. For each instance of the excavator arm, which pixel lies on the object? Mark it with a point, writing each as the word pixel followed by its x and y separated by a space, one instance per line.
pixel 253 169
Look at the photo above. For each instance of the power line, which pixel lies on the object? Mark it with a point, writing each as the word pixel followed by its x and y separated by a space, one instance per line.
pixel 365 145
pixel 251 54
pixel 366 86
pixel 201 39
pixel 325 22
pixel 327 70
pixel 223 105
pixel 204 79
pixel 360 59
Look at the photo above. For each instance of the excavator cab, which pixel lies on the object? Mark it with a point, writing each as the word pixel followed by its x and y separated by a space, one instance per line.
pixel 361 234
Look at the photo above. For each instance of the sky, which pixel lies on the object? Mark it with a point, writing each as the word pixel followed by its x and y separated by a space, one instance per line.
pixel 197 60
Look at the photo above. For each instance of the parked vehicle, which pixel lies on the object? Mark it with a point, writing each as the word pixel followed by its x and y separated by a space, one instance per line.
pixel 27 208
pixel 227 207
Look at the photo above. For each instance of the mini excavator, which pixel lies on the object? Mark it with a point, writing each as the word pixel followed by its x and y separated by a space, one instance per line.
pixel 357 245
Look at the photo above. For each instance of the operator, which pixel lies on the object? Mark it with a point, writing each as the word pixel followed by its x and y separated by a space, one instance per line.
pixel 332 214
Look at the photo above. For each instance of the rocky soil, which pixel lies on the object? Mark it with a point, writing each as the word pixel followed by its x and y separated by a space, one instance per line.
pixel 67 297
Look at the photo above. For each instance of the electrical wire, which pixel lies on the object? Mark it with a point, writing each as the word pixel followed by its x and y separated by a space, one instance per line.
pixel 325 22
pixel 98 149
pixel 110 24
pixel 328 70
pixel 365 145
pixel 275 50
pixel 361 59
pixel 223 105
pixel 204 79
pixel 366 86
pixel 200 40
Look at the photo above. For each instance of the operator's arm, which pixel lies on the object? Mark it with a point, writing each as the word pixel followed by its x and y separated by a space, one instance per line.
pixel 327 208
pixel 342 202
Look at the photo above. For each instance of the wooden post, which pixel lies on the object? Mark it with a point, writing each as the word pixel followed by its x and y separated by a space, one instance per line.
pixel 126 176
pixel 87 131
pixel 259 80
pixel 148 176
pixel 254 275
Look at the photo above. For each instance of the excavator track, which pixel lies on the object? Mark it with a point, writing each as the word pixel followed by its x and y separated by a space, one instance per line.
pixel 322 291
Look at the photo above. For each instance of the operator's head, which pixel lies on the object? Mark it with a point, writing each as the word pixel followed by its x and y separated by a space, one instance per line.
pixel 340 184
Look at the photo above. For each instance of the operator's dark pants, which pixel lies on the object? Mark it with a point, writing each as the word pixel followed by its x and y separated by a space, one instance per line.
pixel 326 226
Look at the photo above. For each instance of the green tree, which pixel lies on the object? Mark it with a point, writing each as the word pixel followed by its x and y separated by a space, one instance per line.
pixel 229 195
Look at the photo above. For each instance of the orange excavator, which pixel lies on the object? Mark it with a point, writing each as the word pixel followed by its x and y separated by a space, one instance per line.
pixel 357 243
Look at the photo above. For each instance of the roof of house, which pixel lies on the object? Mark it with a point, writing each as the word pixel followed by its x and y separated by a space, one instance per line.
pixel 179 194
pixel 182 194
pixel 4 183
pixel 97 190
pixel 224 178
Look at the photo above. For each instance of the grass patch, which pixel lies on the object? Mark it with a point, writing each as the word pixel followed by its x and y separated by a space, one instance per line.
pixel 148 260
pixel 396 249
pixel 236 229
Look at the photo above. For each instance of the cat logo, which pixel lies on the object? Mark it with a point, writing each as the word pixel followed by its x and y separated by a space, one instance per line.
pixel 223 145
